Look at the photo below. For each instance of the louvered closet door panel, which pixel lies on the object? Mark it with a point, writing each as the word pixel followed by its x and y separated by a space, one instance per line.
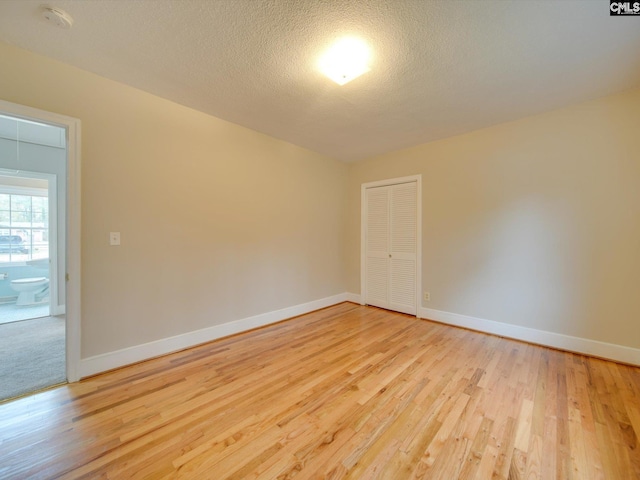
pixel 403 247
pixel 378 282
pixel 404 210
pixel 377 247
pixel 403 286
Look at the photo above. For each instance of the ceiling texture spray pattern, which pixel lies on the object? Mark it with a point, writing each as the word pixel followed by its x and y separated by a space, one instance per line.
pixel 438 68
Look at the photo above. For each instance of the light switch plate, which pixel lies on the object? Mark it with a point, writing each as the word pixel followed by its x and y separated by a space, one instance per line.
pixel 114 238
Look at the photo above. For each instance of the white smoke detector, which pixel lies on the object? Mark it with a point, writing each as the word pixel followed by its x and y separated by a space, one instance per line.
pixel 58 17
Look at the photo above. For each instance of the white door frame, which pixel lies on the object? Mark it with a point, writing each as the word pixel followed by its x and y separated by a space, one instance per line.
pixel 72 127
pixel 363 235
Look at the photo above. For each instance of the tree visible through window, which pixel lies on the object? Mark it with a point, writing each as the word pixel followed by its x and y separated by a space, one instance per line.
pixel 24 227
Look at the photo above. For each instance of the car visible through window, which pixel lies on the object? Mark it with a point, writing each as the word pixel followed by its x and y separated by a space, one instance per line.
pixel 12 243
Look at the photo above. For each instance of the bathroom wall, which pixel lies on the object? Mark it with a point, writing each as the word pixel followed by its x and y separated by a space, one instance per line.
pixel 218 222
pixel 43 159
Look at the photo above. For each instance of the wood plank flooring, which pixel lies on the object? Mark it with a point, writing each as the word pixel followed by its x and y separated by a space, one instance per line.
pixel 342 393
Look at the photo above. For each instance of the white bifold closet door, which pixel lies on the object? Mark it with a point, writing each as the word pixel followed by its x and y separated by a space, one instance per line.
pixel 391 246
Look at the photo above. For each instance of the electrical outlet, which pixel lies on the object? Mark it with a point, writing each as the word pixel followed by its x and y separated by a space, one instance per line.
pixel 427 297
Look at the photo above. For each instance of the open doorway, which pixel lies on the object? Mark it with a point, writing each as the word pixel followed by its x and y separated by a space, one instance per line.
pixel 28 246
pixel 34 337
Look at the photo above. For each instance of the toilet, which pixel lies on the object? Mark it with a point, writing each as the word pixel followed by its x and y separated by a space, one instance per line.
pixel 28 288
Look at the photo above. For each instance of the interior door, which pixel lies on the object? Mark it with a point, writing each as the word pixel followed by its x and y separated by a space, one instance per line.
pixel 391 247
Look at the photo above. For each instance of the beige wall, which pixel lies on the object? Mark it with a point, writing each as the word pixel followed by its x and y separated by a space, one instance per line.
pixel 534 222
pixel 218 222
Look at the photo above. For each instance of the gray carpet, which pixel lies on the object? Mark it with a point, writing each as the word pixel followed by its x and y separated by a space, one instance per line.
pixel 32 355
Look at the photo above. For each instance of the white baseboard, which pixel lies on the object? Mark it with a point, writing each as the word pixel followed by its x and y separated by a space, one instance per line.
pixel 57 309
pixel 595 348
pixel 353 297
pixel 126 356
pixel 585 346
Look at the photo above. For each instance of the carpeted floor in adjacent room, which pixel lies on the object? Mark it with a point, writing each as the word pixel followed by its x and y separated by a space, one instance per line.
pixel 32 355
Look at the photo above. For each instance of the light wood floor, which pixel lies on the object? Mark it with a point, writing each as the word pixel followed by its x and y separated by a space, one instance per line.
pixel 345 392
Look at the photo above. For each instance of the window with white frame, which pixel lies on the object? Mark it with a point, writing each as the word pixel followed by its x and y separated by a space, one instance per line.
pixel 24 225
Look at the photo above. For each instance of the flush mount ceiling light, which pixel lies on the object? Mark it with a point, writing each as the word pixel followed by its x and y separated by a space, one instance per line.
pixel 345 60
pixel 58 17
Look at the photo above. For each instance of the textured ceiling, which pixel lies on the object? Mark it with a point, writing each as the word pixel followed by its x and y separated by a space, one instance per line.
pixel 439 68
